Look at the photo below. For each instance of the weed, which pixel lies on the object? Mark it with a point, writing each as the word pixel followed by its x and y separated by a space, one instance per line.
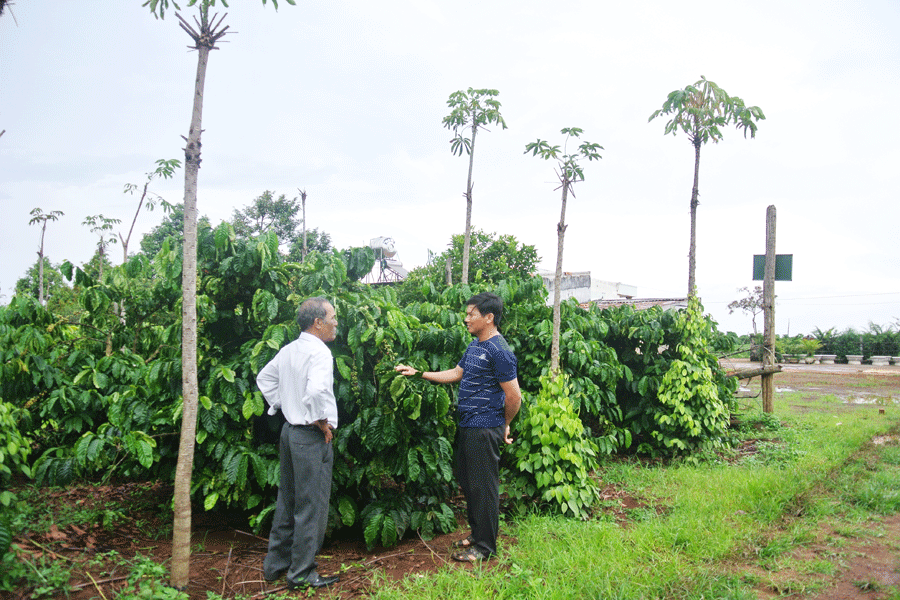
pixel 201 545
pixel 345 567
pixel 879 493
pixel 791 587
pixel 775 549
pixel 641 514
pixel 146 580
pixel 776 454
pixel 890 455
pixel 868 585
pixel 46 577
pixel 750 423
pixel 101 558
pixel 851 531
pixel 109 518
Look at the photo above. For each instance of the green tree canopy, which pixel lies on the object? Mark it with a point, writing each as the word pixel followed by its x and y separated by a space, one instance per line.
pixel 265 214
pixel 172 226
pixel 493 258
pixel 316 240
pixel 58 296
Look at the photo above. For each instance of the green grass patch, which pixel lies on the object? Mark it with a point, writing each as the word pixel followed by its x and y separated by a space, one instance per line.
pixel 714 512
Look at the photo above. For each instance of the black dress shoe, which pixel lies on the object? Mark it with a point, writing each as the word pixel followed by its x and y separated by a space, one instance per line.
pixel 277 576
pixel 314 581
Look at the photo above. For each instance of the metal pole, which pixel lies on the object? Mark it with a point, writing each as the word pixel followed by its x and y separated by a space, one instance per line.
pixel 768 356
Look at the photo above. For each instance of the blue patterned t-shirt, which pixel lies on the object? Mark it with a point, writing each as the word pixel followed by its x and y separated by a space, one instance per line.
pixel 485 365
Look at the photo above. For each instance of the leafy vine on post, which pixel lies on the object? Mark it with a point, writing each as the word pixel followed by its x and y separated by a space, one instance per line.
pixel 471 109
pixel 204 37
pixel 569 173
pixel 699 111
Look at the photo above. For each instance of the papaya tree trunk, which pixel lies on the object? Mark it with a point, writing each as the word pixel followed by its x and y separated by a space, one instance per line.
pixel 695 200
pixel 557 281
pixel 467 240
pixel 204 40
pixel 41 267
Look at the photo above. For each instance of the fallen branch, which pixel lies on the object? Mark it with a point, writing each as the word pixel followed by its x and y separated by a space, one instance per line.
pixel 251 535
pixel 79 586
pixel 433 553
pixel 225 575
pixel 102 595
pixel 49 551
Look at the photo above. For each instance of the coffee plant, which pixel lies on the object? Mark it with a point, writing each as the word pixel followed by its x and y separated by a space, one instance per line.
pixel 98 394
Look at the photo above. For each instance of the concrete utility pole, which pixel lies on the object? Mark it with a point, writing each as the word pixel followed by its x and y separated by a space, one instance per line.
pixel 768 356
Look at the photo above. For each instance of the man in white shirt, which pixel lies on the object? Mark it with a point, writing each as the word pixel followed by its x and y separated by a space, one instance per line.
pixel 300 382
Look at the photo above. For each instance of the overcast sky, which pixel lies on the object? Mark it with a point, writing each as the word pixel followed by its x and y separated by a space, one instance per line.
pixel 345 99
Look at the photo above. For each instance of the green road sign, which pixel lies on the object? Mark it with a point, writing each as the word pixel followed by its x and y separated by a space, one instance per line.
pixel 784 267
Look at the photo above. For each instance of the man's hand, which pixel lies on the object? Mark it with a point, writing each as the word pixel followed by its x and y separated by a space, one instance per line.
pixel 405 370
pixel 326 429
pixel 508 437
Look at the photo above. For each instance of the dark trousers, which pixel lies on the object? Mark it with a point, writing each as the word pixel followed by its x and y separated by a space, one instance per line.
pixel 478 472
pixel 301 511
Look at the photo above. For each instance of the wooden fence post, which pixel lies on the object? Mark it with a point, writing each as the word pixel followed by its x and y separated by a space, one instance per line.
pixel 768 354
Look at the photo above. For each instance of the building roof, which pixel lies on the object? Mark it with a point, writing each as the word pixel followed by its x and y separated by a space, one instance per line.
pixel 639 303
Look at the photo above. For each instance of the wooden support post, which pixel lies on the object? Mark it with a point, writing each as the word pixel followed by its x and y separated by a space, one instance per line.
pixel 768 354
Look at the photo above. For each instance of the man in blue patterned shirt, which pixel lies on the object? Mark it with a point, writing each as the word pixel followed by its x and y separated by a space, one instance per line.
pixel 489 398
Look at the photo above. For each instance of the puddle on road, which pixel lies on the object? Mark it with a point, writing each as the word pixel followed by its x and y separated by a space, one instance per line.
pixel 878 400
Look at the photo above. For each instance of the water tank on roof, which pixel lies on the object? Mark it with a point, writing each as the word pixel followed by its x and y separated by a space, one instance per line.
pixel 383 247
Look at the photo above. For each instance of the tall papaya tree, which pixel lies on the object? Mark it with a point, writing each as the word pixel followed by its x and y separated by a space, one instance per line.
pixel 102 226
pixel 38 216
pixel 700 110
pixel 569 172
pixel 164 169
pixel 205 36
pixel 473 110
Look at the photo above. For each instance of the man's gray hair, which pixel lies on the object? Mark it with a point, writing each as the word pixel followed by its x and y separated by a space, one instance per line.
pixel 310 310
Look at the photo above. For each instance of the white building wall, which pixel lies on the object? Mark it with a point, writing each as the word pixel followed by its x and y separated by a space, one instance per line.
pixel 611 290
pixel 573 285
pixel 580 286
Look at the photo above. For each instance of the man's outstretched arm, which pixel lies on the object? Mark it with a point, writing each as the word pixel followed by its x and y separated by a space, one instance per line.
pixel 453 375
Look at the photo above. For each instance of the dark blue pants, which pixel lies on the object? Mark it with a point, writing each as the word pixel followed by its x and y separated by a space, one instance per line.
pixel 478 472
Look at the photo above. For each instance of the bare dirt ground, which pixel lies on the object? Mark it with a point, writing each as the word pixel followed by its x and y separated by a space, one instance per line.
pixel 228 561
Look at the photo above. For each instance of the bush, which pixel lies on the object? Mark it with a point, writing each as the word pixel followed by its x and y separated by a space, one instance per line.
pixel 14 451
pixel 677 398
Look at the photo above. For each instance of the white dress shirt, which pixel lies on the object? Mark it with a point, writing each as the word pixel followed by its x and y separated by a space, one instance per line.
pixel 300 382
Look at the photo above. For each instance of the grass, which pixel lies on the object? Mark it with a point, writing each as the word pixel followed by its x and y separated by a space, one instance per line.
pixel 784 518
pixel 728 525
